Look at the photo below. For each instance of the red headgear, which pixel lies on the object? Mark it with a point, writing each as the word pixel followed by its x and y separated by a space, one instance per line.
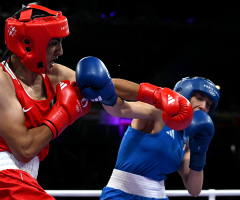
pixel 28 38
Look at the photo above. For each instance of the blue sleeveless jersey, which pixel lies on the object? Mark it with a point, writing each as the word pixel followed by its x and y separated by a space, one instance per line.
pixel 151 155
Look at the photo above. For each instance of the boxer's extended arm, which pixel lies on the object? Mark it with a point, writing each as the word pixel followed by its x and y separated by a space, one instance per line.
pixel 126 89
pixel 178 111
pixel 145 117
pixel 132 110
pixel 95 83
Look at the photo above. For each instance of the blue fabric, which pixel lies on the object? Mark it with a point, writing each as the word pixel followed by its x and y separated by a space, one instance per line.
pixel 151 155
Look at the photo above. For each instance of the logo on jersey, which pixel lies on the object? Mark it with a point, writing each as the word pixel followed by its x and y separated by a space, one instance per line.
pixel 12 31
pixel 170 99
pixel 171 133
pixel 26 110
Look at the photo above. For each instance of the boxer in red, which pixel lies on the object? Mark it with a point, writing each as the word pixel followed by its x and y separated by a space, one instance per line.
pixel 30 80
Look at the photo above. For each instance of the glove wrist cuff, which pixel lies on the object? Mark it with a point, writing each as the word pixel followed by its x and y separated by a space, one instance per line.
pixel 111 101
pixel 147 93
pixel 57 120
pixel 197 161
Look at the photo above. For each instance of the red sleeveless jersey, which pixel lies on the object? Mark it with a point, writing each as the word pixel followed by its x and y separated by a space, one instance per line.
pixel 34 110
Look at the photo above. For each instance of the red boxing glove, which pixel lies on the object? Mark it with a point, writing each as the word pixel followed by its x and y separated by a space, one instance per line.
pixel 69 106
pixel 177 110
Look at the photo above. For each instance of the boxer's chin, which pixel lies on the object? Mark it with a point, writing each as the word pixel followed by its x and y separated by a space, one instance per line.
pixel 49 67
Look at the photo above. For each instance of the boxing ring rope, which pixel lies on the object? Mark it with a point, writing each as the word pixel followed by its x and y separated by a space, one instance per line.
pixel 211 193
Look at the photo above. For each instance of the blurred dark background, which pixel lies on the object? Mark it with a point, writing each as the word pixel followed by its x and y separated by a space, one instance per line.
pixel 151 42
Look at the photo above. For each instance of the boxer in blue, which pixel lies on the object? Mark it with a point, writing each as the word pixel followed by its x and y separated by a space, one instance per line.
pixel 163 137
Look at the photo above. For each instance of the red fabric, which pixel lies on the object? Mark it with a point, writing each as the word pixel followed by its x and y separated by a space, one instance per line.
pixel 19 185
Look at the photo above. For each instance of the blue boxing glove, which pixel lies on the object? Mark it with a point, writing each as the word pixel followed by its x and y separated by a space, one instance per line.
pixel 200 132
pixel 94 81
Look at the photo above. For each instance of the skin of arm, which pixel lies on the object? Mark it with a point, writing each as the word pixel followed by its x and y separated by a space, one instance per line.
pixel 145 117
pixel 126 89
pixel 192 180
pixel 61 73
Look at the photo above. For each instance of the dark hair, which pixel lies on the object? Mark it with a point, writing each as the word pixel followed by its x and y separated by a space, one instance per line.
pixel 7 54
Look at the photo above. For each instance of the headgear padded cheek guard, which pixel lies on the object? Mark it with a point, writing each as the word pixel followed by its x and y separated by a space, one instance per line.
pixel 188 86
pixel 28 38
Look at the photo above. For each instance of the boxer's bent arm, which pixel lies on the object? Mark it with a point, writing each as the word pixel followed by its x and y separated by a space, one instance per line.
pixel 25 144
pixel 126 89
pixel 192 180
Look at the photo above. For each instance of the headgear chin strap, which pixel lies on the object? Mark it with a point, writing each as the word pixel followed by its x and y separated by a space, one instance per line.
pixel 188 86
pixel 28 38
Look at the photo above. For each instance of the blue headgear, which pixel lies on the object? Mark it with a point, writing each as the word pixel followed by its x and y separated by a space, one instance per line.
pixel 189 85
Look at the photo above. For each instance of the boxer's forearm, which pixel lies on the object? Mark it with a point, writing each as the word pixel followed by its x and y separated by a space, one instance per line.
pixel 126 89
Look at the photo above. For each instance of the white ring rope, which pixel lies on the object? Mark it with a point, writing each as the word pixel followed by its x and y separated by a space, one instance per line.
pixel 211 193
